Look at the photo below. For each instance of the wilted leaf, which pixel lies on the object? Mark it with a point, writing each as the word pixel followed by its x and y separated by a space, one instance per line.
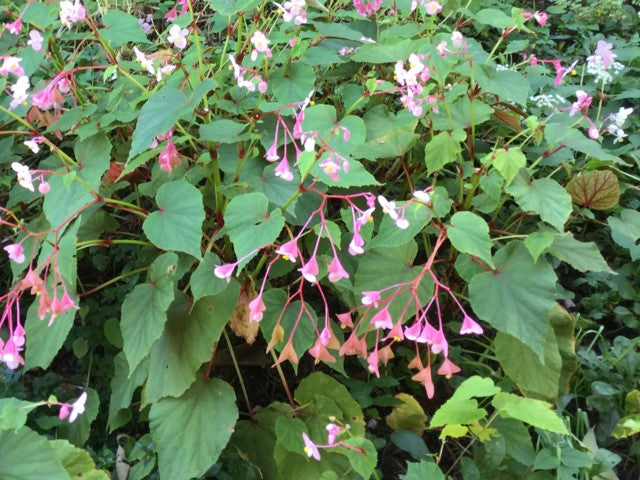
pixel 598 190
pixel 239 321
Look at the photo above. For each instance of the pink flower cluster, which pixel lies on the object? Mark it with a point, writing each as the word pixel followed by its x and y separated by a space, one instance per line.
pixel 254 79
pixel 333 432
pixel 367 8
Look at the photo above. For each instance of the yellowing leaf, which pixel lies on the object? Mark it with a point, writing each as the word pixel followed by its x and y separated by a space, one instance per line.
pixel 598 190
pixel 454 430
pixel 409 415
pixel 239 321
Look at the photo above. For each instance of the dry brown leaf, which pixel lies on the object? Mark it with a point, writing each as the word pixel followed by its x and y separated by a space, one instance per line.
pixel 239 321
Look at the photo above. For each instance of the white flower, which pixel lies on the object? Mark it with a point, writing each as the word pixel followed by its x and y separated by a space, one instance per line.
pixel 144 61
pixel 388 207
pixel 422 195
pixel 178 36
pixel 622 115
pixel 32 145
pixel 165 70
pixel 309 144
pixel 35 40
pixel 19 92
pixel 78 407
pixel 71 12
pixel 24 175
pixel 260 44
pixel 456 39
pixel 402 223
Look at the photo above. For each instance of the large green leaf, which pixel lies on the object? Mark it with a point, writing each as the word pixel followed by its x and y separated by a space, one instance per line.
pixel 442 149
pixel 177 225
pixel 203 282
pixel 250 225
pixel 516 296
pixel 469 233
pixel 457 412
pixel 123 385
pixel 292 82
pixel 13 413
pixel 423 470
pixel 534 412
pixel 507 162
pixel 544 196
pixel 388 135
pixel 122 28
pixel 625 231
pixel 222 131
pixel 187 342
pixel 157 116
pixel 144 313
pixel 191 431
pixel 27 456
pixel 389 235
pixel 558 133
pixel 583 256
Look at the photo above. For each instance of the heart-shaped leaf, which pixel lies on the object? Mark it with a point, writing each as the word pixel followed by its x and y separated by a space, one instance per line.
pixel 598 190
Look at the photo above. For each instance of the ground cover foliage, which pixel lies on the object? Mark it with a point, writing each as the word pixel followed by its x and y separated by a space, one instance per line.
pixel 319 240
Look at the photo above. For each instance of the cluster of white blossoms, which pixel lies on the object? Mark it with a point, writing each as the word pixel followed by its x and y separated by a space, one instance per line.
pixel 617 121
pixel 596 67
pixel 550 101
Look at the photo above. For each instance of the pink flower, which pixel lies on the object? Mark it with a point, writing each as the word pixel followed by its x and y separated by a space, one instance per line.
pixel 35 40
pixel 16 252
pixel 433 8
pixel 58 307
pixel 14 27
pixel 603 50
pixel 71 12
pixel 367 9
pixel 356 244
pixel 541 18
pixel 395 333
pixel 10 354
pixel 382 319
pixel 272 153
pixel 78 407
pixel 225 271
pixel 64 411
pixel 456 39
pixel 413 332
pixel 331 168
pixel 320 353
pixel 448 368
pixel 325 336
pixel 345 320
pixel 333 431
pixel 372 361
pixel 310 448
pixel 260 45
pixel 469 325
pixel 336 271
pixel 169 157
pixel 424 377
pixel 256 307
pixel 438 342
pixel 370 297
pixel 12 65
pixel 310 270
pixel 594 133
pixel 584 100
pixel 18 336
pixel 262 86
pixel 173 13
pixel 43 99
pixel 44 187
pixel 283 171
pixel 289 251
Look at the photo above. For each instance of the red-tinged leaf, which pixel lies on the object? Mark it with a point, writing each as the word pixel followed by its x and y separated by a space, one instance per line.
pixel 598 190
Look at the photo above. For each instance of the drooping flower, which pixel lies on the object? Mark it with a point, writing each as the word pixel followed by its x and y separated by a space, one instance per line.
pixel 16 252
pixel 310 448
pixel 71 12
pixel 382 319
pixel 457 39
pixel 224 271
pixel 256 307
pixel 44 187
pixel 14 27
pixel 260 45
pixel 173 13
pixel 12 65
pixel 583 102
pixel 594 133
pixel 373 363
pixel 370 297
pixel 35 40
pixel 469 325
pixel 33 144
pixel 356 244
pixel 336 271
pixel 24 175
pixel 320 353
pixel 422 195
pixel 19 93
pixel 169 157
pixel 178 36
pixel 289 250
pixel 448 368
pixel 283 170
pixel 310 270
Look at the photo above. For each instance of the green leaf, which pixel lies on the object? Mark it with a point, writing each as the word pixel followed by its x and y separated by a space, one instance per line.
pixel 385 53
pixel 544 196
pixel 475 387
pixel 507 84
pixel 507 162
pixel 27 456
pixel 461 114
pixel 203 282
pixel 222 131
pixel 78 431
pixel 423 470
pixel 410 442
pixel 494 18
pixel 191 431
pixel 13 413
pixel 157 116
pixel 389 235
pixel 442 149
pixel 144 313
pixel 177 225
pixel 292 82
pixel 537 243
pixel 598 190
pixel 77 461
pixel 187 342
pixel 250 225
pixel 122 28
pixel 583 256
pixel 319 384
pixel 534 412
pixel 363 456
pixel 469 233
pixel 557 133
pixel 563 327
pixel 625 231
pixel 388 135
pixel 516 296
pixel 522 365
pixel 409 415
pixel 229 7
pixel 457 411
pixel 123 385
